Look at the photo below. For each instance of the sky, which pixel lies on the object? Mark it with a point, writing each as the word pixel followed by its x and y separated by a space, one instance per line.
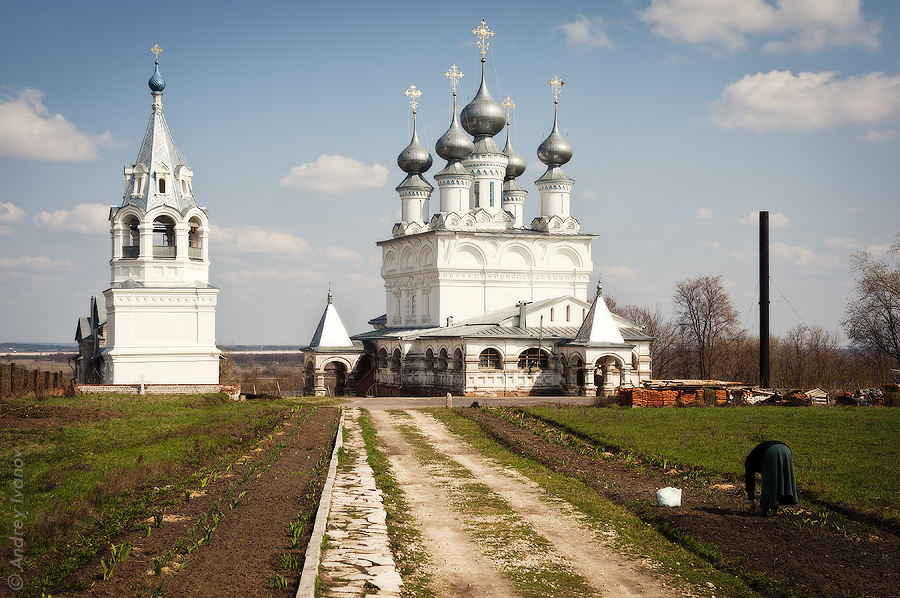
pixel 686 117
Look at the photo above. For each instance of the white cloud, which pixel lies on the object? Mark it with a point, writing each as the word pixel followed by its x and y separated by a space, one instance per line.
pixel 269 275
pixel 776 220
pixel 26 262
pixel 85 218
pixel 808 25
pixel 342 254
pixel 618 273
pixel 28 130
pixel 586 33
pixel 801 256
pixel 854 209
pixel 335 174
pixel 879 249
pixel 879 136
pixel 5 229
pixel 807 101
pixel 704 213
pixel 391 219
pixel 254 239
pixel 9 212
pixel 588 195
pixel 841 242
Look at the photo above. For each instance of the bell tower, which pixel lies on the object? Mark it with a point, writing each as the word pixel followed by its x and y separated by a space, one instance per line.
pixel 160 306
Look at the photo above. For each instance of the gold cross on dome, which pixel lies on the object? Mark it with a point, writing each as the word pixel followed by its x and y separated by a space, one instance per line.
pixel 509 105
pixel 156 50
pixel 483 32
pixel 413 94
pixel 455 75
pixel 556 85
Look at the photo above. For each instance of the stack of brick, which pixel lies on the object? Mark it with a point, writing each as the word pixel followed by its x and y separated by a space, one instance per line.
pixel 645 397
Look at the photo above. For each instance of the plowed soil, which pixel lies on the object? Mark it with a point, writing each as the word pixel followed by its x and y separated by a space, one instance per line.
pixel 282 478
pixel 846 555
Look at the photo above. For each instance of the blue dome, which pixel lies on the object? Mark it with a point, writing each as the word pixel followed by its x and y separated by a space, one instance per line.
pixel 157 83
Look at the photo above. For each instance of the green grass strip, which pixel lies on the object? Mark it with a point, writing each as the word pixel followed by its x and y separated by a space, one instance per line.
pixel 630 536
pixel 524 556
pixel 406 541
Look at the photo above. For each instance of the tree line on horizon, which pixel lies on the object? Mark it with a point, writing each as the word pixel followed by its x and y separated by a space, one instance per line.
pixel 704 339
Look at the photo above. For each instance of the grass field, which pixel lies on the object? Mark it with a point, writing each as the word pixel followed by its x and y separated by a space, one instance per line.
pixel 847 457
pixel 83 466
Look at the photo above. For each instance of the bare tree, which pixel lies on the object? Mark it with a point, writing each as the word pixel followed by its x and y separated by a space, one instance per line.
pixel 707 320
pixel 872 318
pixel 809 356
pixel 663 349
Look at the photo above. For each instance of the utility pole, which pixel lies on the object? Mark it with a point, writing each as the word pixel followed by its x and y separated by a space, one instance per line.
pixel 764 299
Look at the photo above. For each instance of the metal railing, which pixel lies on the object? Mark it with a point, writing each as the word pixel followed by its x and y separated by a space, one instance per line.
pixel 167 251
pixel 131 252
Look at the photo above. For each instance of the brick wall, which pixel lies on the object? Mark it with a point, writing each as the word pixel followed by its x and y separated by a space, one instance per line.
pixel 159 389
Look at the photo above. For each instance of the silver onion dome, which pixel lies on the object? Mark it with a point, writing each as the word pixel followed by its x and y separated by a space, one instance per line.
pixel 483 117
pixel 555 150
pixel 415 159
pixel 454 145
pixel 516 165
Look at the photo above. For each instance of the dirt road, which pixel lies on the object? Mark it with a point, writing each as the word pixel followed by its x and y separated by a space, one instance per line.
pixel 490 531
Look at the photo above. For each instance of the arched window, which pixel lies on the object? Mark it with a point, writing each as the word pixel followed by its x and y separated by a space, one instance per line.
pixel 382 358
pixel 490 359
pixel 534 358
pixel 551 314
pixel 429 359
pixel 395 361
pixel 195 249
pixel 568 313
pixel 442 359
pixel 162 185
pixel 131 240
pixel 457 360
pixel 163 237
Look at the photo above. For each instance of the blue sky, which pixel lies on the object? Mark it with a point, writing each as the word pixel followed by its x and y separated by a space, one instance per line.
pixel 686 117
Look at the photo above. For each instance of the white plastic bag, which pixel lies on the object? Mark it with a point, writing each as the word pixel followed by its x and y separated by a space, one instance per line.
pixel 669 497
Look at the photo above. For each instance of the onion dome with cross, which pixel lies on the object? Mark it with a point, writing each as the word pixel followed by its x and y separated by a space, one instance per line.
pixel 483 117
pixel 454 145
pixel 555 150
pixel 415 159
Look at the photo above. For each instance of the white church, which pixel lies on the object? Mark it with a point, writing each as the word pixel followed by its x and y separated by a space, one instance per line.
pixel 478 302
pixel 160 307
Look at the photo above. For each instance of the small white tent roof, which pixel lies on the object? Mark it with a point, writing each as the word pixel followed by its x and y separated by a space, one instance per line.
pixel 331 331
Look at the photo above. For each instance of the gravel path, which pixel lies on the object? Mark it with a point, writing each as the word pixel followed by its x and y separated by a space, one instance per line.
pixel 465 561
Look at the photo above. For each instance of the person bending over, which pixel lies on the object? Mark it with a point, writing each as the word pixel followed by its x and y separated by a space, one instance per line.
pixel 774 461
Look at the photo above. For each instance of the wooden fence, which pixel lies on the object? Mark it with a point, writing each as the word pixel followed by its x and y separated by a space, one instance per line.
pixel 17 381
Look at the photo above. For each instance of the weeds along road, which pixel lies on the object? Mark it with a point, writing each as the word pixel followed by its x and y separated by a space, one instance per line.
pixel 489 531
